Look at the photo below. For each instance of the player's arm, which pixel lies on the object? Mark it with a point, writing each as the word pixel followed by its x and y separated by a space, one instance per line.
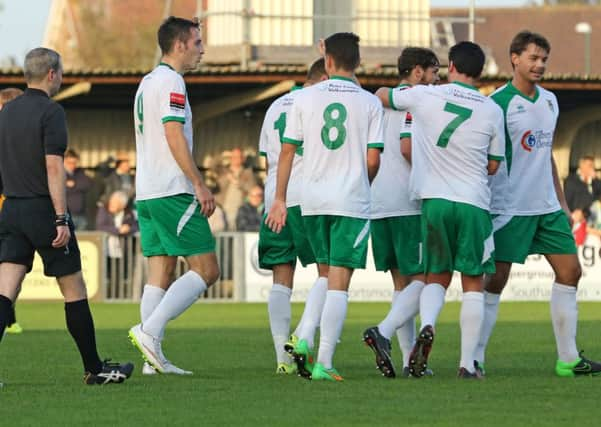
pixel 384 94
pixel 406 148
pixel 174 133
pixel 55 144
pixel 375 140
pixel 559 191
pixel 398 99
pixel 496 149
pixel 373 163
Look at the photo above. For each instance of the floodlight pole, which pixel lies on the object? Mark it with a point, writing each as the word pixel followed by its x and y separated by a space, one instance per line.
pixel 472 14
pixel 586 29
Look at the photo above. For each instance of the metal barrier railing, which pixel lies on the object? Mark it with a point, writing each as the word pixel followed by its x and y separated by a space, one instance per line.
pixel 126 269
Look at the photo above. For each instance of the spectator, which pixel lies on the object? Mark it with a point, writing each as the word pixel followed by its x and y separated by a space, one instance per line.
pixel 78 186
pixel 234 183
pixel 579 226
pixel 120 179
pixel 250 213
pixel 116 219
pixel 581 187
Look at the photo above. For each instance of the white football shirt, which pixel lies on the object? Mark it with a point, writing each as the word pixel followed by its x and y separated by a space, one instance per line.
pixel 270 146
pixel 335 122
pixel 390 189
pixel 524 183
pixel 161 97
pixel 457 130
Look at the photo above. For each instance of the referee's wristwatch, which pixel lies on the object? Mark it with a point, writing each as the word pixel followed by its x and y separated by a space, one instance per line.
pixel 62 220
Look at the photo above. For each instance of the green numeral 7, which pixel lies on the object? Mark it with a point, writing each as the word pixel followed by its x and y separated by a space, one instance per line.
pixel 462 115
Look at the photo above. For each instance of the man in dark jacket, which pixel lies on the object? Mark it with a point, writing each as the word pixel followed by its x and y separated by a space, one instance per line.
pixel 250 213
pixel 582 187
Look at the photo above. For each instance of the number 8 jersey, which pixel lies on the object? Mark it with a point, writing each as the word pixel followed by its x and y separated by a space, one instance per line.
pixel 457 130
pixel 335 122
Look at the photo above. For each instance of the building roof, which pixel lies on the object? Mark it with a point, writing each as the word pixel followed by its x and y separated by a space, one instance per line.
pixel 556 23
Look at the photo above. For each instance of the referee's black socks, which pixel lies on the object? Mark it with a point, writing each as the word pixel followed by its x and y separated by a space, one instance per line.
pixel 7 314
pixel 81 328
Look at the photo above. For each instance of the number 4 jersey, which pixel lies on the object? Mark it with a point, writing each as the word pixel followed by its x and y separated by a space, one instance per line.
pixel 457 130
pixel 335 122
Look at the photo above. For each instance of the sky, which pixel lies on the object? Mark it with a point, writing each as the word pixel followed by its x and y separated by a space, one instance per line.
pixel 22 22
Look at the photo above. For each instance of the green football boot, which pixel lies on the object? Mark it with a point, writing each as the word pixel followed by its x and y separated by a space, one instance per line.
pixel 579 368
pixel 286 369
pixel 320 373
pixel 304 359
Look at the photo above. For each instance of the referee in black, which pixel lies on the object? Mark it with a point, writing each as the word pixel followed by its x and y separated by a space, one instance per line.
pixel 33 139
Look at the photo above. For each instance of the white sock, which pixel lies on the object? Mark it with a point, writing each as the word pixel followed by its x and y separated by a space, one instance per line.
pixel 564 315
pixel 151 297
pixel 406 336
pixel 472 315
pixel 491 310
pixel 404 307
pixel 313 311
pixel 180 295
pixel 430 303
pixel 278 307
pixel 332 321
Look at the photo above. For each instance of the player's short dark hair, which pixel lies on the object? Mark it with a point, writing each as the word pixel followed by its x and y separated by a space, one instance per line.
pixel 522 39
pixel 317 70
pixel 411 57
pixel 38 62
pixel 173 29
pixel 468 58
pixel 71 153
pixel 344 50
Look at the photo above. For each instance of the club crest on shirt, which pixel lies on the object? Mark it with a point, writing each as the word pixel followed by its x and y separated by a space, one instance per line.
pixel 177 101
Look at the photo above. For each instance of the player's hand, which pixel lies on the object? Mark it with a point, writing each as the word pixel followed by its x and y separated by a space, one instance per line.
pixel 206 200
pixel 63 234
pixel 276 219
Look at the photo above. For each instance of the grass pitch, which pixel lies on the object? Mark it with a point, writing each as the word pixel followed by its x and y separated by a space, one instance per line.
pixel 229 347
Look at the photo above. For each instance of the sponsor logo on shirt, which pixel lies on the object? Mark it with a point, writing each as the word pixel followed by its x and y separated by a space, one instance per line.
pixel 536 139
pixel 408 119
pixel 177 101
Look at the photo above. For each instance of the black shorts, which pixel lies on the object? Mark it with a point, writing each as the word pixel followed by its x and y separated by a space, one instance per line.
pixel 26 226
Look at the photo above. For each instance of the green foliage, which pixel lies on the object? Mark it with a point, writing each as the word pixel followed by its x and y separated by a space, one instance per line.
pixel 229 347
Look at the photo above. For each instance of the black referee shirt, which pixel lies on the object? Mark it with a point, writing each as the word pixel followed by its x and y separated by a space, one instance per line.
pixel 31 126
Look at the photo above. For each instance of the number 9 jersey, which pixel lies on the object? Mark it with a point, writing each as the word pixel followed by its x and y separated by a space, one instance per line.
pixel 335 122
pixel 456 131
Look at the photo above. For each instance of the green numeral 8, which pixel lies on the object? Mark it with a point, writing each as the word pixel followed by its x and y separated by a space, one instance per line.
pixel 336 123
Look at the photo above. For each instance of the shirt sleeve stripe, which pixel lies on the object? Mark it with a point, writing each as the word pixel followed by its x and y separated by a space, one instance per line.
pixel 379 145
pixel 497 158
pixel 173 119
pixel 262 153
pixel 291 141
pixel 405 135
pixel 390 100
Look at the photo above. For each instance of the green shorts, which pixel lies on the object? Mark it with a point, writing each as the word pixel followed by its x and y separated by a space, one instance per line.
pixel 289 244
pixel 457 237
pixel 519 236
pixel 338 240
pixel 396 242
pixel 173 226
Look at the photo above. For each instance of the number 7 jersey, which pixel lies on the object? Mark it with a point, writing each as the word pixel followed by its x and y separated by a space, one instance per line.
pixel 335 122
pixel 456 131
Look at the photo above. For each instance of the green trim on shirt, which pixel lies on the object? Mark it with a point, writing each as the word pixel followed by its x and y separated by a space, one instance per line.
pixel 173 119
pixel 390 100
pixel 348 79
pixel 262 153
pixel 379 145
pixel 405 135
pixel 465 85
pixel 502 98
pixel 167 65
pixel 497 158
pixel 291 141
pixel 523 95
